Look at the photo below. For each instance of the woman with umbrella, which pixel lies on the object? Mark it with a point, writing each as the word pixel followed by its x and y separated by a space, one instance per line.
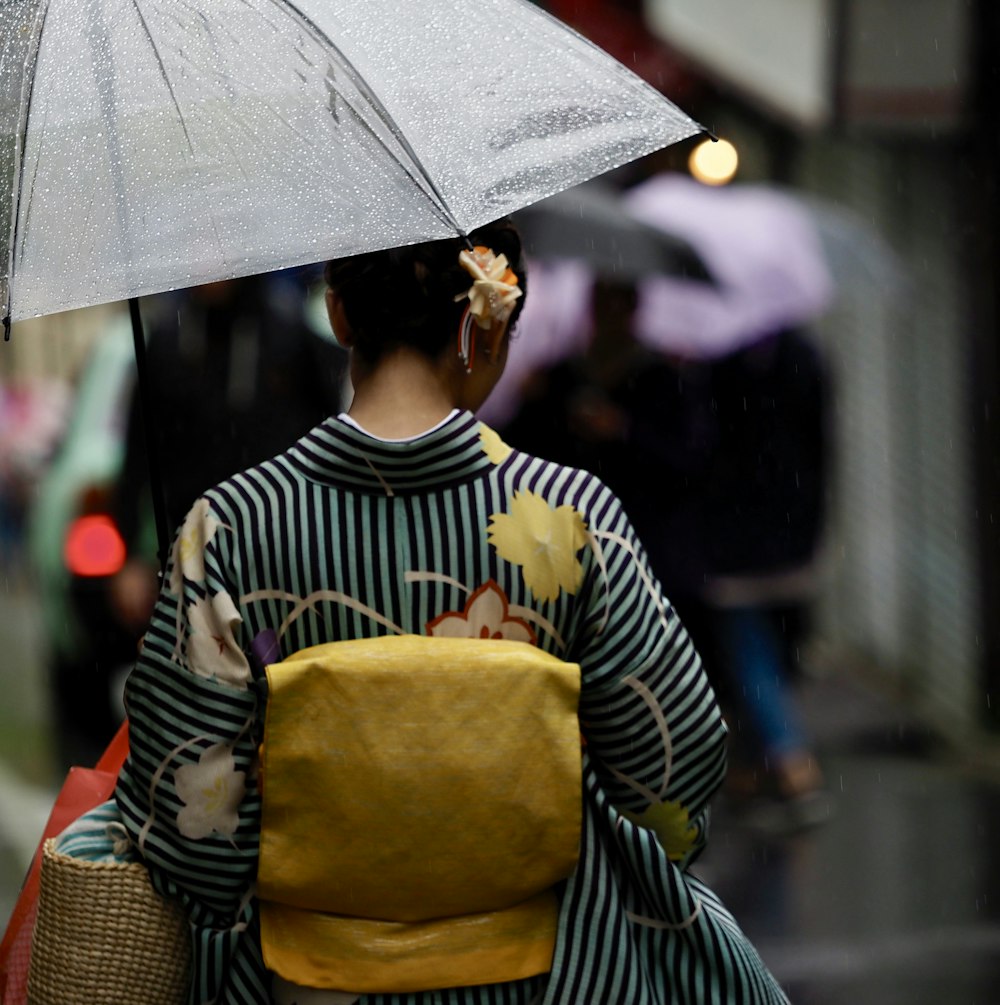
pixel 407 517
pixel 250 136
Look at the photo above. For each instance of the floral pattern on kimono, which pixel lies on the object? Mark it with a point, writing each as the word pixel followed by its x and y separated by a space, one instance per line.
pixel 345 536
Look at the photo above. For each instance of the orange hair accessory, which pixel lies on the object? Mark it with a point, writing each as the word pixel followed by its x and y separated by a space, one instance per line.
pixel 491 296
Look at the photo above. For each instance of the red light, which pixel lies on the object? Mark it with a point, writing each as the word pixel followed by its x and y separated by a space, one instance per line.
pixel 94 547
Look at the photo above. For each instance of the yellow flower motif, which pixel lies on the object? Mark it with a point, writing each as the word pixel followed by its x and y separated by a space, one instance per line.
pixel 197 531
pixel 494 448
pixel 543 541
pixel 671 825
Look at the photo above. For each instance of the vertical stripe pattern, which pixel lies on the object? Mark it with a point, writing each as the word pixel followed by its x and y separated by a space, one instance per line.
pixel 344 536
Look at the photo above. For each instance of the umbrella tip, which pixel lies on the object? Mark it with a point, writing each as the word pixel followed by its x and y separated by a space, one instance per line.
pixel 6 328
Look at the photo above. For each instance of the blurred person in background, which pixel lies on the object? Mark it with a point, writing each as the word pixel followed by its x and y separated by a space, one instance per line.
pixel 643 422
pixel 765 504
pixel 237 372
pixel 74 548
pixel 33 416
pixel 708 421
pixel 763 501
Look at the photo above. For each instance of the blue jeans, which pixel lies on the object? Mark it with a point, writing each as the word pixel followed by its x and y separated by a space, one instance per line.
pixel 754 664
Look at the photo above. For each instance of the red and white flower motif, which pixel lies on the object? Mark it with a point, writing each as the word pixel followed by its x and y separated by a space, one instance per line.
pixel 486 616
pixel 212 648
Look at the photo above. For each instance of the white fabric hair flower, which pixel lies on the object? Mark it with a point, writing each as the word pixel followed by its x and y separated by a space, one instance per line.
pixel 494 289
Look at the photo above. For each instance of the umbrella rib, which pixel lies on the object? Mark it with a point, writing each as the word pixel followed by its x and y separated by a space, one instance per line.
pixel 177 105
pixel 31 187
pixel 20 146
pixel 442 211
pixel 163 73
pixel 637 81
pixel 383 113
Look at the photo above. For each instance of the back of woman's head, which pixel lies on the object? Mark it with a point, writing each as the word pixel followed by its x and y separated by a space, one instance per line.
pixel 407 296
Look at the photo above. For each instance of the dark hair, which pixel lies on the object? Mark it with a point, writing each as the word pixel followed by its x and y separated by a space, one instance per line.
pixel 406 296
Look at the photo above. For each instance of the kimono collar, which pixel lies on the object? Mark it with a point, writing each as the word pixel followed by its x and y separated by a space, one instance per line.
pixel 338 453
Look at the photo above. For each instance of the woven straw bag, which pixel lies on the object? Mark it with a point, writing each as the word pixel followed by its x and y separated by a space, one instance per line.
pixel 105 937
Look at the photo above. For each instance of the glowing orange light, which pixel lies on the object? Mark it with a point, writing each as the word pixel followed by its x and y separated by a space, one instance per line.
pixel 714 162
pixel 94 547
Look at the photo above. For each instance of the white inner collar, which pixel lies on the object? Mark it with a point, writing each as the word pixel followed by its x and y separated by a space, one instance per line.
pixel 344 417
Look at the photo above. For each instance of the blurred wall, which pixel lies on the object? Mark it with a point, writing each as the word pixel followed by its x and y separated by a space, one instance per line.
pixel 904 148
pixel 906 588
pixel 54 346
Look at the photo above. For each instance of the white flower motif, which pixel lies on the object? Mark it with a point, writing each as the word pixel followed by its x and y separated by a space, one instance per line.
pixel 212 649
pixel 486 616
pixel 188 556
pixel 211 791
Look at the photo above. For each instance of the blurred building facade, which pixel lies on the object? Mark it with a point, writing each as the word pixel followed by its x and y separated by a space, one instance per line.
pixel 882 108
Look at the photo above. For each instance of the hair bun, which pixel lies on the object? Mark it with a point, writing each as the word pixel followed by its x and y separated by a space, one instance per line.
pixel 410 295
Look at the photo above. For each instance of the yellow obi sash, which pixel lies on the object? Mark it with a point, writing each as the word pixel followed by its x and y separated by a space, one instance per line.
pixel 421 797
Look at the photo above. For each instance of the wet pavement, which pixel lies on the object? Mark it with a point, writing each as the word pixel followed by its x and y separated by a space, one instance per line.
pixel 894 898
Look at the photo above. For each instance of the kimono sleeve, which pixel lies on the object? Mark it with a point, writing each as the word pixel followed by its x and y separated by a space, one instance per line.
pixel 187 792
pixel 650 718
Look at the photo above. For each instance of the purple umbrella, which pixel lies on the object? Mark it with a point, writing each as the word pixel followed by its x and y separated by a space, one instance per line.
pixel 762 250
pixel 766 270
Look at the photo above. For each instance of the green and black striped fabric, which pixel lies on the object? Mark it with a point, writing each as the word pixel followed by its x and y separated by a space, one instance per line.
pixel 345 536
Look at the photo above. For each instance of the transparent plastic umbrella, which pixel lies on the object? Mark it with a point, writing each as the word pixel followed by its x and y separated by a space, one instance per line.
pixel 153 144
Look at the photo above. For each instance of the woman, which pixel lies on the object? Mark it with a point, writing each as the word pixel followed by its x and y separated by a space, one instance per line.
pixel 408 516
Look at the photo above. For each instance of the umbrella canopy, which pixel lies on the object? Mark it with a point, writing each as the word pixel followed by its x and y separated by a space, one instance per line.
pixel 734 266
pixel 762 250
pixel 153 144
pixel 590 224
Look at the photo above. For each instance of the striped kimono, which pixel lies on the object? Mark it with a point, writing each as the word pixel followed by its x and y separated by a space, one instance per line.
pixel 346 536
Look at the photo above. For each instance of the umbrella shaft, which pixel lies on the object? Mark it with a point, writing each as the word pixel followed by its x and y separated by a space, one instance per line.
pixel 144 390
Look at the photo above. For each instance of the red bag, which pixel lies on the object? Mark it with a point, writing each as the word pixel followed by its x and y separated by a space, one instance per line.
pixel 83 789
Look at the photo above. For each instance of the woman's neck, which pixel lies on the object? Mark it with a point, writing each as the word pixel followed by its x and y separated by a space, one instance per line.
pixel 403 395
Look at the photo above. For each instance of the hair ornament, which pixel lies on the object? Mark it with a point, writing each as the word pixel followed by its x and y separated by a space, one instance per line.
pixel 491 296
